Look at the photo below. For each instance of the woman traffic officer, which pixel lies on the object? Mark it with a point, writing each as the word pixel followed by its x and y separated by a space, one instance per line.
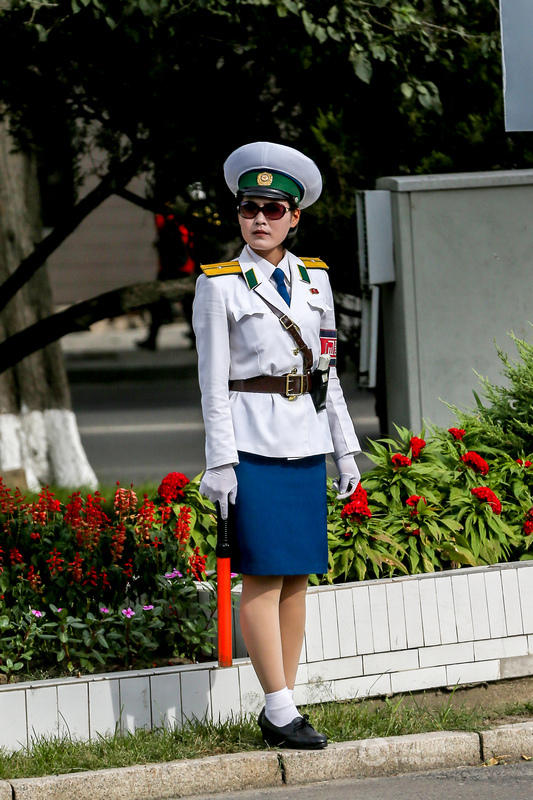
pixel 272 409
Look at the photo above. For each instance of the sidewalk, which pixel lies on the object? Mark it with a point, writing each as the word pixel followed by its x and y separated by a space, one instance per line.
pixel 109 352
pixel 276 768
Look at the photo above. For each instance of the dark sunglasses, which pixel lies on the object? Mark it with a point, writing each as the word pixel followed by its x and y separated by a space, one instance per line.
pixel 248 209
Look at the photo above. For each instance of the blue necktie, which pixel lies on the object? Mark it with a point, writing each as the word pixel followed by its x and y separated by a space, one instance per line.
pixel 279 277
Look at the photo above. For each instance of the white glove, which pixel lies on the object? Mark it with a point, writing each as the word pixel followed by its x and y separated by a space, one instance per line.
pixel 349 476
pixel 220 484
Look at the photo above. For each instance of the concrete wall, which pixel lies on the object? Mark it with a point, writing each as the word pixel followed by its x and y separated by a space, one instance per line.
pixel 362 639
pixel 464 277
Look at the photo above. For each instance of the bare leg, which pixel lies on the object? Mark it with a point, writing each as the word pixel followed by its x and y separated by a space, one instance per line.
pixel 260 626
pixel 292 623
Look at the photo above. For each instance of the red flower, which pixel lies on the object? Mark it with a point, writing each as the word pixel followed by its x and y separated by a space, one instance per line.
pixel 76 568
pixel 165 512
pixel 475 461
pixel 528 527
pixel 415 532
pixel 483 493
pixel 417 445
pixel 125 501
pixel 15 556
pixel 523 463
pixel 117 542
pixel 91 578
pixel 413 501
pixel 33 578
pixel 145 519
pixel 55 562
pixel 128 568
pixel 172 485
pixel 399 460
pixel 197 564
pixel 104 579
pixel 182 529
pixel 73 510
pixel 357 508
pixel 457 433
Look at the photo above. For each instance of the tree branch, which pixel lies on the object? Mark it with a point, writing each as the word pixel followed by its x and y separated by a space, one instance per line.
pixel 81 316
pixel 111 183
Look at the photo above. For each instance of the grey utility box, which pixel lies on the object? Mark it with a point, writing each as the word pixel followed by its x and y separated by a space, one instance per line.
pixel 463 253
pixel 516 17
pixel 376 267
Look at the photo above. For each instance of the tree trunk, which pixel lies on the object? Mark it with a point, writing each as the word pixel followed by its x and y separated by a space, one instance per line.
pixel 38 430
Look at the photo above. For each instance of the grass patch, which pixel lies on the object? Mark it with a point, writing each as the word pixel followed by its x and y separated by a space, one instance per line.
pixel 402 714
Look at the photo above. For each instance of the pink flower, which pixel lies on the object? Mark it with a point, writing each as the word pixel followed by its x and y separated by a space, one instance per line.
pixel 128 612
pixel 104 610
pixel 174 574
pixel 147 608
pixel 36 612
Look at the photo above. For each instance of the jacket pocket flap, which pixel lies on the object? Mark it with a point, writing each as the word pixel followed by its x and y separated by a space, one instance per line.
pixel 319 302
pixel 246 311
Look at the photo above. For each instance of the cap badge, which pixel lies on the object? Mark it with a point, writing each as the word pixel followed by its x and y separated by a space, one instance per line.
pixel 264 179
pixel 313 290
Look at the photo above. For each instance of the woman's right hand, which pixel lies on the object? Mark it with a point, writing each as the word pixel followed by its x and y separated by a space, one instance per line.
pixel 219 484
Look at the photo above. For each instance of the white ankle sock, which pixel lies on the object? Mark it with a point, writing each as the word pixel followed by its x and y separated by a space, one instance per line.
pixel 280 708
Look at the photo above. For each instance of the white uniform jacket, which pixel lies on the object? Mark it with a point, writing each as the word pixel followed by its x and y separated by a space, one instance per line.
pixel 238 336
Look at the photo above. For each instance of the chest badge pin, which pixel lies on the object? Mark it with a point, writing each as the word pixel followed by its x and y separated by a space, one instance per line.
pixel 313 290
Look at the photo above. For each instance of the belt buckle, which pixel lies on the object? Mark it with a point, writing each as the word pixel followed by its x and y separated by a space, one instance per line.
pixel 293 395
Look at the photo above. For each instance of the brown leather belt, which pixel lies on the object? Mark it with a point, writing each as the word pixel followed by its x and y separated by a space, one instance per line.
pixel 290 385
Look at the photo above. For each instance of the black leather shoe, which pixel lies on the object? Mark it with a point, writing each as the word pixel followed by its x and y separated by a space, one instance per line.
pixel 298 734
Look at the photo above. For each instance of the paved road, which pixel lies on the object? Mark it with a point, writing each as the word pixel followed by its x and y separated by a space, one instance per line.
pixel 512 781
pixel 139 413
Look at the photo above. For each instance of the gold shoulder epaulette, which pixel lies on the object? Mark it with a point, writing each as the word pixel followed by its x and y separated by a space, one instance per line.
pixel 223 268
pixel 314 263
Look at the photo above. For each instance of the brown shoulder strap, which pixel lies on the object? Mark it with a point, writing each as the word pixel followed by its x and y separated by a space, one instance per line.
pixel 294 331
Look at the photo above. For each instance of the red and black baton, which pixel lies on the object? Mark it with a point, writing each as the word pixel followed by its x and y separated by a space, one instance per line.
pixel 223 552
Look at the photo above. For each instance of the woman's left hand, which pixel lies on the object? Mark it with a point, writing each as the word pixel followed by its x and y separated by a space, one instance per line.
pixel 349 476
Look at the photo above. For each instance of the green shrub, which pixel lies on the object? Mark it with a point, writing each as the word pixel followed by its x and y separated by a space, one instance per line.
pixel 451 501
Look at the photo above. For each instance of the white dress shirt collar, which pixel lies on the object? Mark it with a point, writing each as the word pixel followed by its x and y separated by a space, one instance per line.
pixel 266 267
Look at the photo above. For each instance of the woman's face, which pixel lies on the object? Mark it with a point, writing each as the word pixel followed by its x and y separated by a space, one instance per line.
pixel 267 234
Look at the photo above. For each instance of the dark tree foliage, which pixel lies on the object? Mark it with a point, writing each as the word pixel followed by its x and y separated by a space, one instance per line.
pixel 365 88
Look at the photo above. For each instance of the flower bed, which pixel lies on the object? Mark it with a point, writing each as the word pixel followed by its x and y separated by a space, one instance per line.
pixel 95 585
pixel 98 585
pixel 426 506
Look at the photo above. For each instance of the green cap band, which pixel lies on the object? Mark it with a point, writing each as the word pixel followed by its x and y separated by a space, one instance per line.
pixel 266 179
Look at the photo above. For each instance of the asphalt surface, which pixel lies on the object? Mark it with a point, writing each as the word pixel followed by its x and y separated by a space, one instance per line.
pixel 139 413
pixel 512 781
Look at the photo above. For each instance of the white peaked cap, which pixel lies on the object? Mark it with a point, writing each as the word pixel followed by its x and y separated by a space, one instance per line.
pixel 268 164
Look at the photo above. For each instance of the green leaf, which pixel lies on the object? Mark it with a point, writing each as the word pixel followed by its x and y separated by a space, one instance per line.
pixel 362 67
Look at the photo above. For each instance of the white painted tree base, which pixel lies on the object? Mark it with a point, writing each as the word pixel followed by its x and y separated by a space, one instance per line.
pixel 47 445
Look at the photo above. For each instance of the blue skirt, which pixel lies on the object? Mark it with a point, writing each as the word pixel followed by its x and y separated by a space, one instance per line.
pixel 280 516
